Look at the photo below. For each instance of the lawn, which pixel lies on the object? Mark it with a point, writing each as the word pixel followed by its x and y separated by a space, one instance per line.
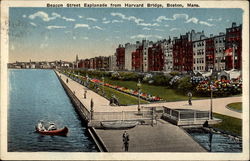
pixel 160 91
pixel 230 124
pixel 237 106
pixel 124 99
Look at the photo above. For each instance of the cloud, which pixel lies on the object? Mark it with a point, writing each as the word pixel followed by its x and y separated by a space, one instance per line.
pixel 193 19
pixel 174 29
pixel 159 30
pixel 68 19
pixel 124 17
pixel 82 26
pixel 79 16
pixel 67 32
pixel 106 22
pixel 74 38
pixel 206 23
pixel 214 19
pixel 91 19
pixel 146 28
pixel 140 36
pixel 166 25
pixel 55 27
pixel 161 18
pixel 33 24
pixel 24 16
pixel 97 27
pixel 85 38
pixel 45 17
pixel 117 21
pixel 148 24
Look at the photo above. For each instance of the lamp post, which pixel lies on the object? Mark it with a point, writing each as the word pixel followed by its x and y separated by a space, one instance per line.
pixel 211 100
pixel 102 85
pixel 139 90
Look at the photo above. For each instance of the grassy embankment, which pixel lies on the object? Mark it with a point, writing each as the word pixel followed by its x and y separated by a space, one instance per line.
pixel 230 124
pixel 160 91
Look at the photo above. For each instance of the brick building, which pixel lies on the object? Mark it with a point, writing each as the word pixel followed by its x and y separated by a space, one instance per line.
pixel 137 59
pixel 234 41
pixel 155 58
pixel 209 53
pixel 120 57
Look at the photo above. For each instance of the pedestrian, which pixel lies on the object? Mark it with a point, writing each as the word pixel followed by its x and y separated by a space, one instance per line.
pixel 85 94
pixel 67 80
pixel 125 139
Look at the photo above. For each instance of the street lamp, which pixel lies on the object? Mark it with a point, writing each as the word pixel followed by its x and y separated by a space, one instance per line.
pixel 139 91
pixel 102 85
pixel 211 100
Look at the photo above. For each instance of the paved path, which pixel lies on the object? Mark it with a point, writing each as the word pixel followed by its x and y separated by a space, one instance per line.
pixel 102 105
pixel 163 137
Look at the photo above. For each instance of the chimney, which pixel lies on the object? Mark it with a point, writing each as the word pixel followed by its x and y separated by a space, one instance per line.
pixel 233 24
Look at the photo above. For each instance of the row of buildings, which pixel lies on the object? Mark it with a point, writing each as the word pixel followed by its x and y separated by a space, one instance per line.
pixel 40 64
pixel 192 51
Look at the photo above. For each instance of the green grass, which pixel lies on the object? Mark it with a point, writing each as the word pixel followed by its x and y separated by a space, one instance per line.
pixel 123 98
pixel 160 91
pixel 230 124
pixel 235 106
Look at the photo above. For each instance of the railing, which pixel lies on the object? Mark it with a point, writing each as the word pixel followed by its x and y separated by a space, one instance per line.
pixel 185 114
pixel 124 115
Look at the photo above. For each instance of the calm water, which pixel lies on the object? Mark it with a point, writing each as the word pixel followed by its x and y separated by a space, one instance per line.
pixel 215 142
pixel 38 95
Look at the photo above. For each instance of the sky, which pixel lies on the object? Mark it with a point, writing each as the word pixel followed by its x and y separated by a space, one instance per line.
pixel 60 33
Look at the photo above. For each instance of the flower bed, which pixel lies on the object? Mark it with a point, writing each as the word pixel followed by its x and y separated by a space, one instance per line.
pixel 132 92
pixel 220 87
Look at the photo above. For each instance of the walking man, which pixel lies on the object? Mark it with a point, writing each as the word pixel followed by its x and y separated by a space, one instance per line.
pixel 85 94
pixel 125 138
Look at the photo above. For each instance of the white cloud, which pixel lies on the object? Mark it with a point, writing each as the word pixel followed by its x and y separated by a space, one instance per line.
pixel 45 17
pixel 106 22
pixel 129 18
pixel 148 24
pixel 173 29
pixel 206 23
pixel 140 36
pixel 24 16
pixel 79 16
pixel 33 24
pixel 97 27
pixel 117 21
pixel 159 30
pixel 214 19
pixel 74 38
pixel 55 27
pixel 68 19
pixel 146 28
pixel 85 38
pixel 161 18
pixel 91 19
pixel 82 25
pixel 166 25
pixel 193 19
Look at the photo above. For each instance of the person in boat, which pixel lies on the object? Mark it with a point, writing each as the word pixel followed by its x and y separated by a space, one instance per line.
pixel 52 126
pixel 40 126
pixel 125 139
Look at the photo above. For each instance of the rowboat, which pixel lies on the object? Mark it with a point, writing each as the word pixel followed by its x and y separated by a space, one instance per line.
pixel 119 124
pixel 61 132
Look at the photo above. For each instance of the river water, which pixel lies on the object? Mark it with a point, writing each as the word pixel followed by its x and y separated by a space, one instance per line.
pixel 34 95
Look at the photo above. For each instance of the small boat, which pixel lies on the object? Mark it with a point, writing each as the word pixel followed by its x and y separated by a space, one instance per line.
pixel 119 124
pixel 61 132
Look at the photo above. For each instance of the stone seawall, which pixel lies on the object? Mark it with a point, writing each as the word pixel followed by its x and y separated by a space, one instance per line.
pixel 80 108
